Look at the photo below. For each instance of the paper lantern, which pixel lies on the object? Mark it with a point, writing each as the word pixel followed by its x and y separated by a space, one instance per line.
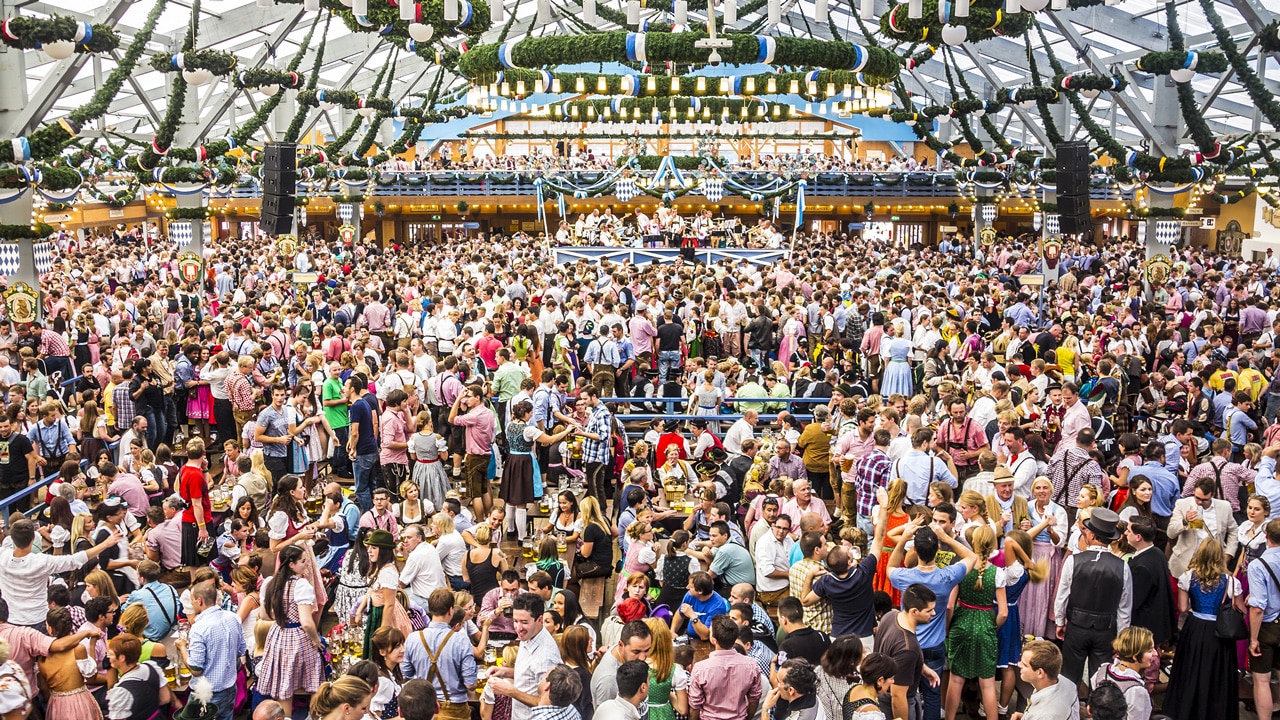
pixel 59 49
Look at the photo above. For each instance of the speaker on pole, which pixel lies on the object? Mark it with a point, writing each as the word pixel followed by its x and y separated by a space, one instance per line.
pixel 279 187
pixel 1073 188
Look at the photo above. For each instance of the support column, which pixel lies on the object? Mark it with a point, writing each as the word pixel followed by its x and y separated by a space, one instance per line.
pixel 18 212
pixel 985 212
pixel 282 116
pixel 1050 235
pixel 13 74
pixel 1167 122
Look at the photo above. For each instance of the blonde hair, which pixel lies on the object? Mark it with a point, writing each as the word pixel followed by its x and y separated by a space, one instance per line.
pixel 1094 495
pixel 983 540
pixel 346 690
pixel 259 463
pixel 101 582
pixel 640 449
pixel 974 499
pixel 134 619
pixel 897 495
pixel 1018 543
pixel 408 485
pixel 443 524
pixel 662 656
pixel 1209 564
pixel 509 654
pixel 1132 643
pixel 482 533
pixel 591 514
pixel 636 529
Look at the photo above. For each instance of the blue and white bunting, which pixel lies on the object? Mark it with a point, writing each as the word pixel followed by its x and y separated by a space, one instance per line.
pixel 181 232
pixel 713 189
pixel 9 261
pixel 1168 232
pixel 44 257
pixel 1052 224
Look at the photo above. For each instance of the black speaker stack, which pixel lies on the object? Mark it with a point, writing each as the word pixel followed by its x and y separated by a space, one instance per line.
pixel 279 188
pixel 1073 188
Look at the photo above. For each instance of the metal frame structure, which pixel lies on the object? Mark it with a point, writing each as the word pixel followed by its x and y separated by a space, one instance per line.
pixel 1102 39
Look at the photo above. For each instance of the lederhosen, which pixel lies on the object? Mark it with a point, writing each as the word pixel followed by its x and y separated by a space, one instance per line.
pixel 1097 583
pixel 146 700
pixel 448 709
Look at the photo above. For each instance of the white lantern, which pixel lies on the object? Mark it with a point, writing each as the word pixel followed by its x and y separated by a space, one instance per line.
pixel 359 7
pixel 269 90
pixel 954 34
pixel 311 5
pixel 1091 94
pixel 1182 75
pixel 346 2
pixel 681 12
pixel 59 49
pixel 1035 5
pixel 1027 104
pixel 421 32
pixel 327 106
pixel 366 112
pixel 197 76
pixel 943 119
pixel 821 13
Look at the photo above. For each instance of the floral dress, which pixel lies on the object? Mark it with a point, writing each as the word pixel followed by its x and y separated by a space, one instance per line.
pixel 352 586
pixel 972 644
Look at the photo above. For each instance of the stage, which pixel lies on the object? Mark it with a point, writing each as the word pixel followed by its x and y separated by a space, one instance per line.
pixel 569 254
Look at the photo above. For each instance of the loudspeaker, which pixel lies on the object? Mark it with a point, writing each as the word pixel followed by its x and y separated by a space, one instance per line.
pixel 1075 224
pixel 1072 182
pixel 1073 205
pixel 1073 156
pixel 278 205
pixel 279 156
pixel 280 182
pixel 275 225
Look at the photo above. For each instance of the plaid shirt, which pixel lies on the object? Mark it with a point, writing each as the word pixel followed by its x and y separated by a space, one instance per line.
pixel 124 410
pixel 53 345
pixel 598 451
pixel 871 473
pixel 239 390
pixel 817 616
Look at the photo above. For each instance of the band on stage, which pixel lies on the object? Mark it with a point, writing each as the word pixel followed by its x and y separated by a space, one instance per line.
pixel 667 228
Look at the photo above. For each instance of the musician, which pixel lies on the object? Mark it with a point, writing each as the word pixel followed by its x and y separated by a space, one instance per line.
pixel 702 227
pixel 593 221
pixel 564 236
pixel 580 229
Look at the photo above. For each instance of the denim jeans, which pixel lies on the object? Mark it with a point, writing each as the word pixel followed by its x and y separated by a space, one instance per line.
pixel 225 702
pixel 1273 407
pixel 667 359
pixel 936 659
pixel 156 427
pixel 363 471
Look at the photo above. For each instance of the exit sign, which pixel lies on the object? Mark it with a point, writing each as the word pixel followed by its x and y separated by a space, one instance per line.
pixel 893 218
pixel 435 217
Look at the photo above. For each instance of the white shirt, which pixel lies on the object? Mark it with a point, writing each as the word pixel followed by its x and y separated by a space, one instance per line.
pixel 1056 702
pixel 452 549
pixel 740 430
pixel 423 572
pixel 771 556
pixel 24 582
pixel 537 655
pixel 617 709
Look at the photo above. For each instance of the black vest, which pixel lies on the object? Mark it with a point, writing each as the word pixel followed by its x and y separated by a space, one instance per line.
pixel 1097 583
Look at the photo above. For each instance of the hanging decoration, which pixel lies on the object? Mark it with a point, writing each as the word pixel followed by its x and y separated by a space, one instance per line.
pixel 59 36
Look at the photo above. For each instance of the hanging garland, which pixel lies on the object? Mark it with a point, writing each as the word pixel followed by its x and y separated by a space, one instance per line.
pixel 46 142
pixel 343 98
pixel 151 155
pixel 807 84
pixel 215 61
pixel 258 77
pixel 1157 212
pixel 117 198
pixel 713 109
pixel 300 116
pixel 384 19
pixel 1269 38
pixel 182 213
pixel 1258 92
pixel 987 19
pixel 1162 63
pixel 25 232
pixel 483 63
pixel 1090 82
pixel 31 33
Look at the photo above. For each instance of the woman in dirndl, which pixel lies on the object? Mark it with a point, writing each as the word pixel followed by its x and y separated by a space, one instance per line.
pixel 427 450
pixel 1021 572
pixel 521 476
pixel 288 525
pixel 1048 534
pixel 972 644
pixel 199 397
pixel 292 663
pixel 384 582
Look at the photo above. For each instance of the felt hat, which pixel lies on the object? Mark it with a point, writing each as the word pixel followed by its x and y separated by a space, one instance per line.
pixel 382 539
pixel 1102 523
pixel 1002 475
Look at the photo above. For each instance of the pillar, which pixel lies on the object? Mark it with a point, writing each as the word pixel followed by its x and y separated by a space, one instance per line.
pixel 1049 230
pixel 13 74
pixel 18 212
pixel 984 216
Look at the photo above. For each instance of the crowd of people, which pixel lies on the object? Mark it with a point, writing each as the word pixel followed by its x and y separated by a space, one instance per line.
pixel 866 482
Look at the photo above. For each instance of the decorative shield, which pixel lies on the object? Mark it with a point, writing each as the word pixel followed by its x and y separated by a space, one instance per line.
pixel 22 303
pixel 1157 270
pixel 287 246
pixel 347 233
pixel 190 267
pixel 1052 251
pixel 987 235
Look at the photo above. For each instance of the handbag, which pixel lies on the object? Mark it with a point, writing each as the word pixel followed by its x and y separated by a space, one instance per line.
pixel 1230 624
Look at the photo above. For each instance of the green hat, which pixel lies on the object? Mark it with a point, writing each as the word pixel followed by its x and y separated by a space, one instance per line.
pixel 199 706
pixel 382 539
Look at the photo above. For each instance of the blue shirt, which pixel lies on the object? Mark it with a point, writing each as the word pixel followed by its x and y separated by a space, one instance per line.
pixel 1165 489
pixel 1238 426
pixel 217 642
pixel 1020 314
pixel 361 415
pixel 1172 453
pixel 1266 484
pixel 941 581
pixel 1263 591
pixel 161 603
pixel 456 666
pixel 914 467
pixel 1221 402
pixel 705 609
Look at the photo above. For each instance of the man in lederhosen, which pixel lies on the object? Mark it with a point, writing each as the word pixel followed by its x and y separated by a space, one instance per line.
pixel 1094 599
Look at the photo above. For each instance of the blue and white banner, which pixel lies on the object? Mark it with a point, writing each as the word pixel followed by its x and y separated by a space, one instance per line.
pixel 1168 232
pixel 181 232
pixel 346 213
pixel 563 206
pixel 626 189
pixel 800 205
pixel 44 257
pixel 665 169
pixel 1052 224
pixel 9 262
pixel 989 213
pixel 713 189
pixel 542 211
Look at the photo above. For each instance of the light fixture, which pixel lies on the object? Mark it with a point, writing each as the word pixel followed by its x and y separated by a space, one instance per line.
pixel 1182 75
pixel 555 85
pixel 420 32
pixel 268 90
pixel 702 85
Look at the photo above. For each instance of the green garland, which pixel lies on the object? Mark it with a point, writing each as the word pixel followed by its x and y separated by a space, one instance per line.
pixel 684 162
pixel 343 98
pixel 676 85
pixel 151 155
pixel 34 231
pixel 463 207
pixel 384 19
pixel 182 213
pixel 1258 92
pixel 29 33
pixel 1089 82
pixel 1161 63
pixel 1157 212
pixel 52 137
pixel 986 20
pixel 603 110
pixel 258 77
pixel 299 117
pixel 482 64
pixel 218 62
pixel 1269 38
pixel 117 198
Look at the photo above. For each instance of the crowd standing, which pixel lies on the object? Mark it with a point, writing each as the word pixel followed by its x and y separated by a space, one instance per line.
pixel 869 481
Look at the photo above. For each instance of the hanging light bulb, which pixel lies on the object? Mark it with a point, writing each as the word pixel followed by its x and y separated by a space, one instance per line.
pixel 544 13
pixel 831 89
pixel 771 86
pixel 915 9
pixel 311 5
pixel 268 90
pixel 955 34
pixel 59 49
pixel 602 85
pixel 962 8
pixel 506 89
pixel 848 91
pixel 1182 75
pixel 820 12
pixel 451 11
pixel 579 84
pixel 675 85
pixel 520 88
pixel 724 86
pixel 775 12
pixel 498 13
pixel 555 85
pixel 681 12
pixel 420 32
pixel 1034 5
pixel 589 10
pixel 750 85
pixel 702 85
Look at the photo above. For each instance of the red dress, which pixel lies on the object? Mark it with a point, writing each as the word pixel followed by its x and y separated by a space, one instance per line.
pixel 882 567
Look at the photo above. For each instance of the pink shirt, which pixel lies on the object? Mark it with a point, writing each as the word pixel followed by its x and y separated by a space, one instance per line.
pixel 722 686
pixel 851 445
pixel 25 646
pixel 481 425
pixel 394 430
pixel 642 334
pixel 1073 421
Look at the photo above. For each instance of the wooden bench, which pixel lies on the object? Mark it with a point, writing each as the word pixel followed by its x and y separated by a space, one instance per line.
pixel 596 599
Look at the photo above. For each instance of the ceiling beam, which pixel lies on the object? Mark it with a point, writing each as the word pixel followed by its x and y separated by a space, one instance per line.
pixel 42 99
pixel 1031 127
pixel 211 117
